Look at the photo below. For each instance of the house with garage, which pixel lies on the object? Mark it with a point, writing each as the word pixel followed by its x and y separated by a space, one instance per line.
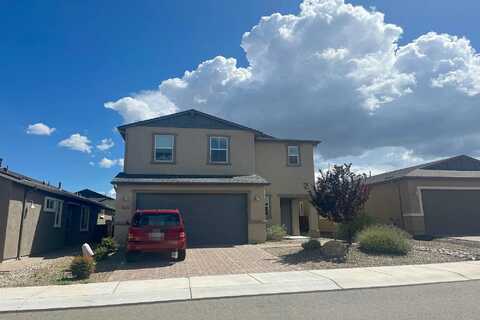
pixel 229 181
pixel 36 217
pixel 440 198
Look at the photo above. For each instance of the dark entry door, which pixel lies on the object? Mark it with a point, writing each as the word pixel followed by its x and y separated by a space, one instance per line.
pixel 68 215
pixel 286 214
pixel 210 219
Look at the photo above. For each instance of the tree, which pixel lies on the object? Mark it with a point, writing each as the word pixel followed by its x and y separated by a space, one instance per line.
pixel 339 194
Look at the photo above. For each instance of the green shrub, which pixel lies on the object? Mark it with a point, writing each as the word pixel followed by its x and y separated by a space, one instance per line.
pixel 100 253
pixel 81 267
pixel 384 239
pixel 276 232
pixel 354 227
pixel 109 243
pixel 311 244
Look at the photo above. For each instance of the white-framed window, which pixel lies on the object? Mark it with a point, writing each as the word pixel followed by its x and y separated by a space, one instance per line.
pixel 293 155
pixel 164 148
pixel 57 218
pixel 268 206
pixel 84 218
pixel 50 204
pixel 218 149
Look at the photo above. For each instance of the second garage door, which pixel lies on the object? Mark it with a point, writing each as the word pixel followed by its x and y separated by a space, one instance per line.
pixel 451 212
pixel 210 219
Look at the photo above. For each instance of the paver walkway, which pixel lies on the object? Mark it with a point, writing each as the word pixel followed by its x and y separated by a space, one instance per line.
pixel 247 284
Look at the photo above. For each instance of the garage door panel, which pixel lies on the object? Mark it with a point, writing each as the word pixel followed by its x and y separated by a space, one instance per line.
pixel 210 219
pixel 451 212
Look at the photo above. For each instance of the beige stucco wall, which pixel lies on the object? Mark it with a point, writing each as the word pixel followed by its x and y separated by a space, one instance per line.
pixel 126 205
pixel 36 237
pixel 287 181
pixel 384 202
pixel 191 152
pixel 13 221
pixel 5 187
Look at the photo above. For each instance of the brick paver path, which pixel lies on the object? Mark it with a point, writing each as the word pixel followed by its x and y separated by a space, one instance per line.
pixel 203 261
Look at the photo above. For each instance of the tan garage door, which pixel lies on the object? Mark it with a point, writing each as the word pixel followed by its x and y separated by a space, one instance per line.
pixel 451 212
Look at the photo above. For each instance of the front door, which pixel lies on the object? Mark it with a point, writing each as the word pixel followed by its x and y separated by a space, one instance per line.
pixel 67 218
pixel 286 214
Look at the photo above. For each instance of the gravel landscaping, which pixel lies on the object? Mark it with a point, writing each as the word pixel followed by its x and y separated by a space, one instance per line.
pixel 51 269
pixel 286 255
pixel 423 252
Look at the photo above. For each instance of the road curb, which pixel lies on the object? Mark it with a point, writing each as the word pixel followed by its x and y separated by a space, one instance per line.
pixel 231 286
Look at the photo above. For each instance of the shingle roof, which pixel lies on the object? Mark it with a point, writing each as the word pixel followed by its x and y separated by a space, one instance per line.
pixel 461 166
pixel 88 193
pixel 196 119
pixel 41 185
pixel 191 119
pixel 189 179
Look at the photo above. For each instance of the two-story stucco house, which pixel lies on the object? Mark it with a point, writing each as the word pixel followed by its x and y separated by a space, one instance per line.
pixel 229 181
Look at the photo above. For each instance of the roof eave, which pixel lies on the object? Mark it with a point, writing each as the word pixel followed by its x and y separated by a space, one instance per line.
pixel 160 181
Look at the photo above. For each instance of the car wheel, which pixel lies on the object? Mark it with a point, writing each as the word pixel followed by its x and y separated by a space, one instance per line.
pixel 132 256
pixel 181 255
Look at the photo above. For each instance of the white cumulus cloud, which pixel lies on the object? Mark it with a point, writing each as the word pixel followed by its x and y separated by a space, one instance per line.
pixel 105 144
pixel 336 72
pixel 40 129
pixel 77 142
pixel 109 163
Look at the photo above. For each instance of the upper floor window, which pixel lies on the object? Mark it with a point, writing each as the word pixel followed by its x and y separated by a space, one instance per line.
pixel 219 149
pixel 164 148
pixel 293 156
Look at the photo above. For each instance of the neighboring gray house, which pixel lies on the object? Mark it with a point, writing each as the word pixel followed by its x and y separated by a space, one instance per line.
pixel 52 217
pixel 439 198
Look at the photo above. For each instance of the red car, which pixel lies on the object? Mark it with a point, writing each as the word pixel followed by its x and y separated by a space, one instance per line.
pixel 157 231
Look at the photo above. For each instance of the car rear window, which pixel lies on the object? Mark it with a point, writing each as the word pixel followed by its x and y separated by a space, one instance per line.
pixel 163 220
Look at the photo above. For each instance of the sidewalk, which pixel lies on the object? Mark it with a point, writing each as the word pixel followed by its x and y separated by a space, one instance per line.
pixel 181 289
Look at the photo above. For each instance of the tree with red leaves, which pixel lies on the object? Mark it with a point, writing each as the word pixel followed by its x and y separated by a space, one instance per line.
pixel 339 194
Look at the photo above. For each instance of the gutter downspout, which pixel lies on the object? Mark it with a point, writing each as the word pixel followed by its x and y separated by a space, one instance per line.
pixel 24 212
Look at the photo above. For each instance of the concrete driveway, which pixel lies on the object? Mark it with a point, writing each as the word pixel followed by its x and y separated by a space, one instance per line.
pixel 199 262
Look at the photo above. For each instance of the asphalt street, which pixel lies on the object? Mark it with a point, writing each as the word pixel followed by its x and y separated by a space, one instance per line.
pixel 459 300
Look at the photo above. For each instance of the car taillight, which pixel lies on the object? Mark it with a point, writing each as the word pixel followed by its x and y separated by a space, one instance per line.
pixel 181 234
pixel 130 236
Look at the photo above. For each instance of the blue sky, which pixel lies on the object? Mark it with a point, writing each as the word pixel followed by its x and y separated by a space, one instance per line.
pixel 60 61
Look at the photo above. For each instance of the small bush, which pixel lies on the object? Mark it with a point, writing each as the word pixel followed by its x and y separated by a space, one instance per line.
pixel 100 253
pixel 384 240
pixel 354 227
pixel 311 244
pixel 82 267
pixel 276 232
pixel 109 243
